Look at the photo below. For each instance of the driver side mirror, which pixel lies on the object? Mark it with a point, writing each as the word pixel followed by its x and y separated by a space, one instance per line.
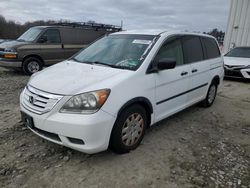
pixel 42 39
pixel 166 63
pixel 161 64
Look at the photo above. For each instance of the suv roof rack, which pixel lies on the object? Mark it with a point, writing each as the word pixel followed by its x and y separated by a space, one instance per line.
pixel 90 25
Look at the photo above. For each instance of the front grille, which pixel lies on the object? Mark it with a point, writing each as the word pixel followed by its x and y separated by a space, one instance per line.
pixel 50 135
pixel 234 67
pixel 233 73
pixel 1 53
pixel 38 101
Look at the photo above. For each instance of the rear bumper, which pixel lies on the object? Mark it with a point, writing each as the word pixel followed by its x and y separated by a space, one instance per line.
pixel 10 64
pixel 241 73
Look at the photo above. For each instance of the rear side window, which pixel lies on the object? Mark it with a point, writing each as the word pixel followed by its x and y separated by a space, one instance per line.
pixel 192 49
pixel 52 36
pixel 211 48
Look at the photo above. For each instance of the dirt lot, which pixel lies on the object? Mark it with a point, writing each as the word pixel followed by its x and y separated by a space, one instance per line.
pixel 195 148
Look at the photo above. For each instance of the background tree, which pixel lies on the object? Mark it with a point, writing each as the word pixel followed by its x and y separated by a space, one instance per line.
pixel 219 35
pixel 12 30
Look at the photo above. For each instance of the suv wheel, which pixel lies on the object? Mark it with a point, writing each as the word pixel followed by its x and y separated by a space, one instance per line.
pixel 211 94
pixel 129 129
pixel 32 65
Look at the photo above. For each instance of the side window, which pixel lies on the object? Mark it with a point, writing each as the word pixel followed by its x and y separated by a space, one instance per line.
pixel 211 47
pixel 171 49
pixel 192 49
pixel 52 36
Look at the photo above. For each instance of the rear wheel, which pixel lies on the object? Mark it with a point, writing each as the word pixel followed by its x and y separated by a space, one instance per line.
pixel 129 129
pixel 211 95
pixel 32 65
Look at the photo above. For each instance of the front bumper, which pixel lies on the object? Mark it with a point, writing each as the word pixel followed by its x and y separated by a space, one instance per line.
pixel 93 130
pixel 239 73
pixel 10 63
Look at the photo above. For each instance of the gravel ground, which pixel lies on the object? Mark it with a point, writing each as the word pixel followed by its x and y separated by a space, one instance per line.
pixel 198 147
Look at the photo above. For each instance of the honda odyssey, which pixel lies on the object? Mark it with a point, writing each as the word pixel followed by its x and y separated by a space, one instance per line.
pixel 109 93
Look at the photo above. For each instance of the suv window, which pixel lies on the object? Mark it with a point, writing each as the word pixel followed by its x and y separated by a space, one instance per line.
pixel 192 49
pixel 52 36
pixel 211 48
pixel 171 49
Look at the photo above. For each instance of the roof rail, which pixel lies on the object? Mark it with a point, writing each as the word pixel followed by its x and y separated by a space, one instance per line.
pixel 90 25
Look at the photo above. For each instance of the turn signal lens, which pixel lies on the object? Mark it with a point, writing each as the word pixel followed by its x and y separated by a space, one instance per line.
pixel 102 96
pixel 10 56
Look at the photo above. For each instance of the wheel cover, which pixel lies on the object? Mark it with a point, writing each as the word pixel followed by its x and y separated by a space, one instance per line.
pixel 211 94
pixel 132 129
pixel 33 66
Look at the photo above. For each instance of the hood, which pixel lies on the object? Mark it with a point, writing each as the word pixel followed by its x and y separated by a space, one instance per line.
pixel 12 44
pixel 3 40
pixel 70 78
pixel 236 61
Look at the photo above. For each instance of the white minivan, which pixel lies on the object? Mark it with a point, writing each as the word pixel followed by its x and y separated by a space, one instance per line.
pixel 109 93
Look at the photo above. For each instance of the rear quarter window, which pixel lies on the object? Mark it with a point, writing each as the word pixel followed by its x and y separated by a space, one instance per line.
pixel 192 49
pixel 211 48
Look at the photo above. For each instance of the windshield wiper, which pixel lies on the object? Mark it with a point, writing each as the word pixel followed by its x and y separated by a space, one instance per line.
pixel 20 40
pixel 113 66
pixel 74 59
pixel 101 63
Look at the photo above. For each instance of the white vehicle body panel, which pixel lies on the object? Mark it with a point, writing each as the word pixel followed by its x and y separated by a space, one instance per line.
pixel 236 61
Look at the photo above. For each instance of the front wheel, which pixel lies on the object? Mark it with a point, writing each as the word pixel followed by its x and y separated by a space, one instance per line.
pixel 211 94
pixel 129 129
pixel 32 65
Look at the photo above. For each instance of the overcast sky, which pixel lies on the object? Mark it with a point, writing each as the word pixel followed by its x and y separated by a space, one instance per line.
pixel 192 15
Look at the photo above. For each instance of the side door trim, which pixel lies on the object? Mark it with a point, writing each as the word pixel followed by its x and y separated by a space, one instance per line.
pixel 183 93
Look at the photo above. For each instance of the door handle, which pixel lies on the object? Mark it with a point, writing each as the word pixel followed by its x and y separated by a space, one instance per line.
pixel 194 70
pixel 184 73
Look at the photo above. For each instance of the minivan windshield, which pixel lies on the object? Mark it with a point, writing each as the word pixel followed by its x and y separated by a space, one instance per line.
pixel 30 35
pixel 239 52
pixel 125 51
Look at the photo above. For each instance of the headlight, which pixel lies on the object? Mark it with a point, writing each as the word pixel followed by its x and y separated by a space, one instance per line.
pixel 10 53
pixel 9 50
pixel 86 103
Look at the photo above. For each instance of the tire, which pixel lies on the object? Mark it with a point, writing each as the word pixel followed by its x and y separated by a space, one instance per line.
pixel 32 65
pixel 211 95
pixel 132 122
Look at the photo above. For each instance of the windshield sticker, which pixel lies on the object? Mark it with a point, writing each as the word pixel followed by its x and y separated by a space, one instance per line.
pixel 136 41
pixel 128 63
pixel 132 63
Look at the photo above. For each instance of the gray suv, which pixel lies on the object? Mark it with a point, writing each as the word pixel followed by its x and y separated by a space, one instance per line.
pixel 46 45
